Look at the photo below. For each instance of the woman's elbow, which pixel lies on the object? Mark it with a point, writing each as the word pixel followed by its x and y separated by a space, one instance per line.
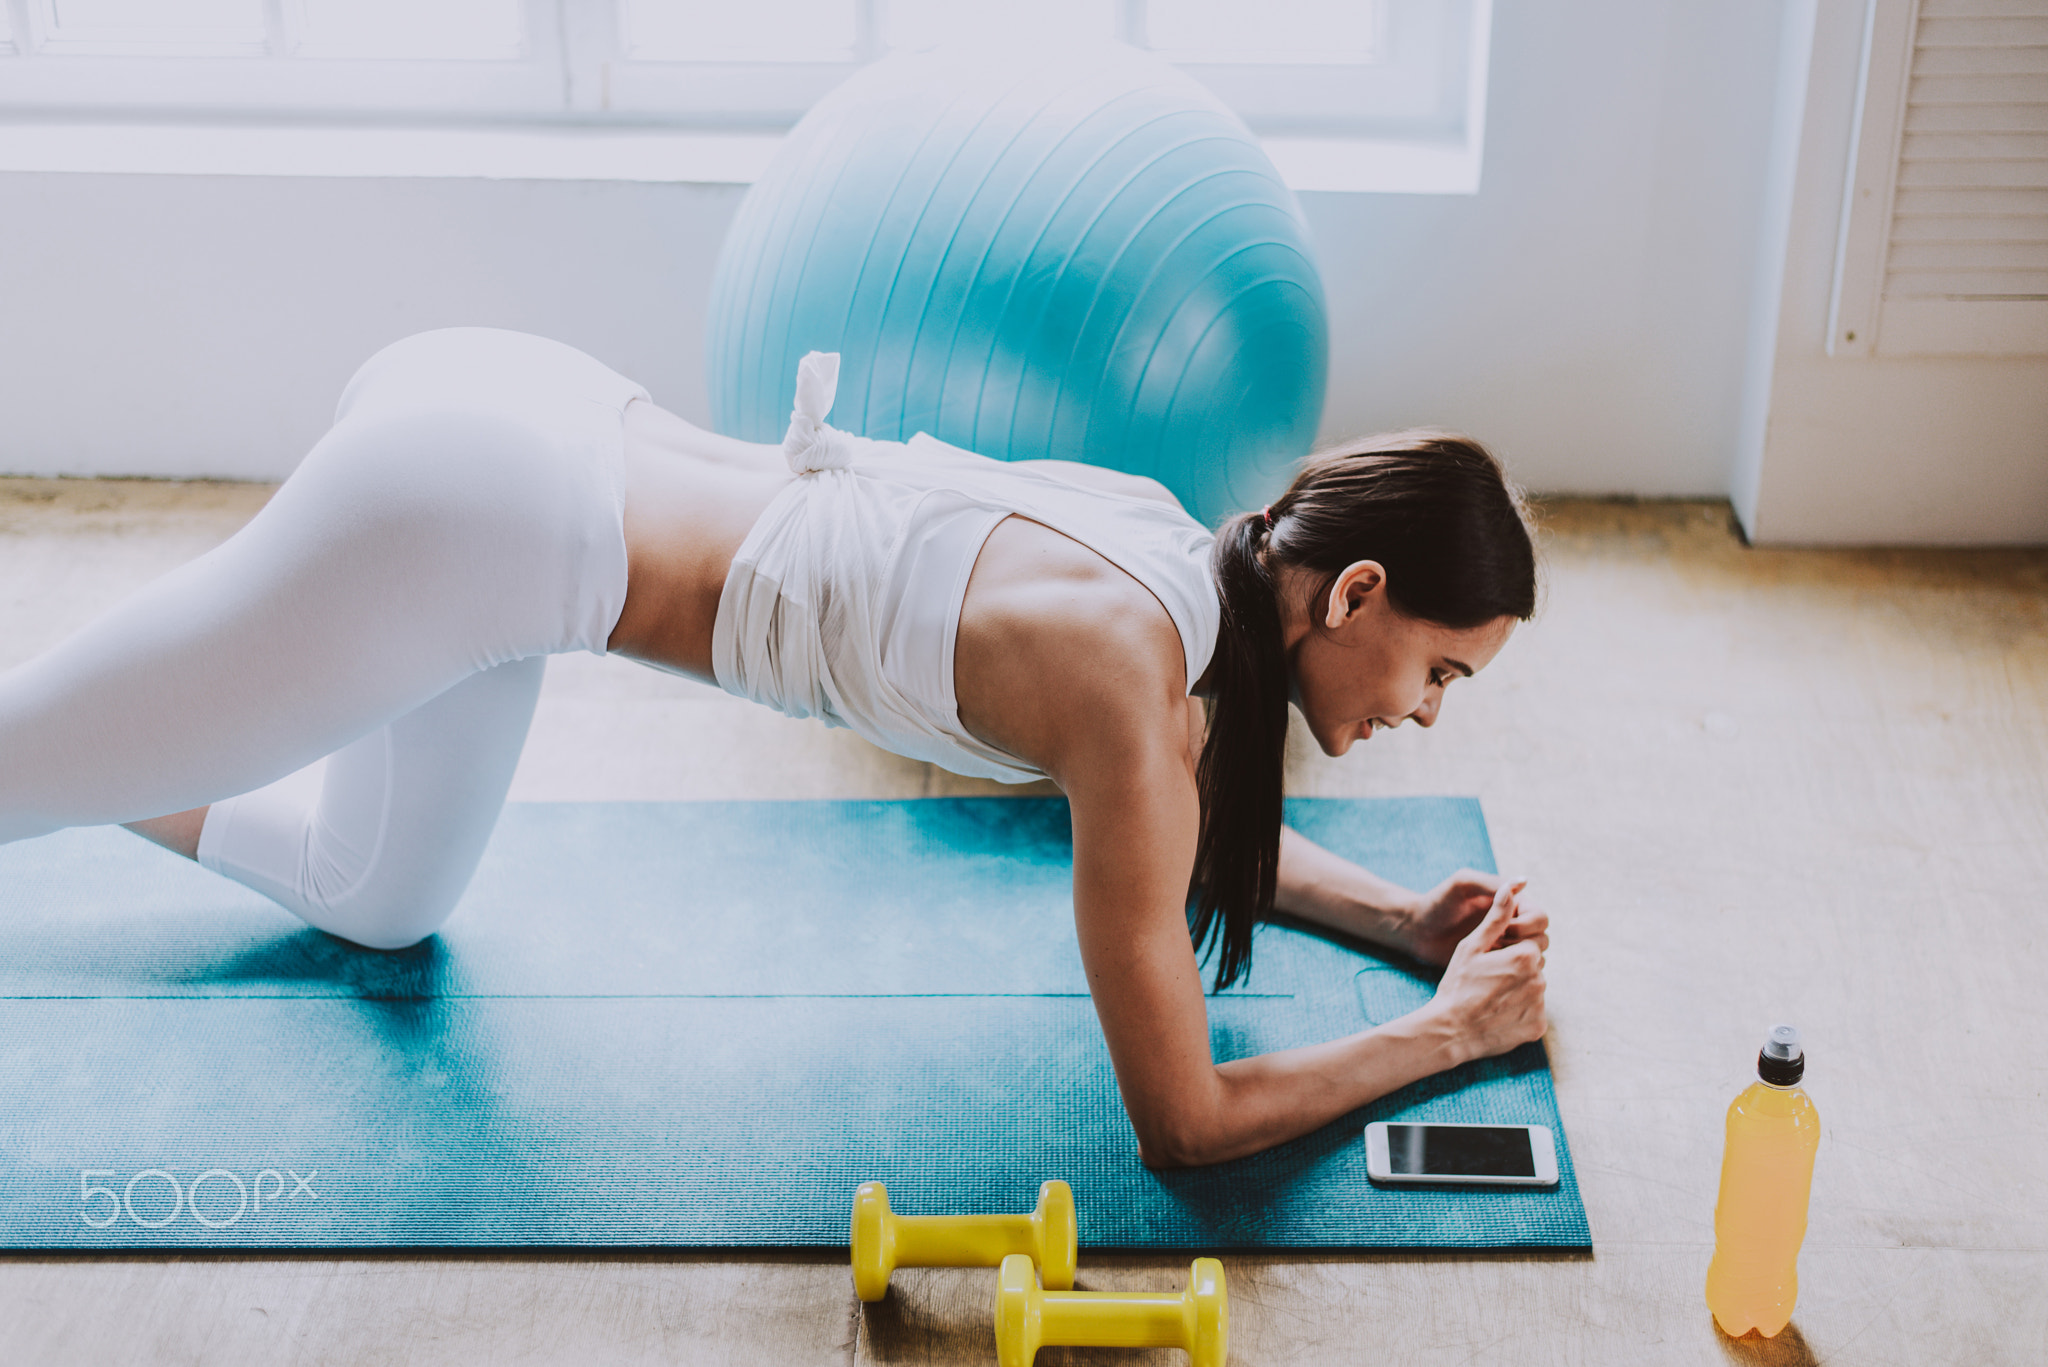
pixel 1178 1140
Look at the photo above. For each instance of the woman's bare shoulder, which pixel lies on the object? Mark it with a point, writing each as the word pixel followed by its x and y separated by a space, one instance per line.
pixel 1058 648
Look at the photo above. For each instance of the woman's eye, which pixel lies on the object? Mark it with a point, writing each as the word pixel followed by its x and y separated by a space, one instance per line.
pixel 1437 678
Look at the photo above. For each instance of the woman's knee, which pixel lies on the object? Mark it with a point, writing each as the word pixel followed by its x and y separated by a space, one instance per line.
pixel 392 922
pixel 377 891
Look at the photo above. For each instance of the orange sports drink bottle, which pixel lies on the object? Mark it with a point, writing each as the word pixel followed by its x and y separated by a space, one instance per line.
pixel 1766 1176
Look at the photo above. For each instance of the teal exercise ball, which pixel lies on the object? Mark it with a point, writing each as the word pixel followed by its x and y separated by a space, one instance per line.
pixel 1085 257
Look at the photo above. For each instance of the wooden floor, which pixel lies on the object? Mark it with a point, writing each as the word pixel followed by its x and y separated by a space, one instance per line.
pixel 1750 785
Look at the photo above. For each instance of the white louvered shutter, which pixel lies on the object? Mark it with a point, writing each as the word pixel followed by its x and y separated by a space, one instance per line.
pixel 1945 232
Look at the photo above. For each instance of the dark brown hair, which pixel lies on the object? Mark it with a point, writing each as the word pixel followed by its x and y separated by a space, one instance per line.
pixel 1436 510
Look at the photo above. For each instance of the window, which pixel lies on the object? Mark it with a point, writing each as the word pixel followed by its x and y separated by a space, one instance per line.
pixel 1309 75
pixel 225 59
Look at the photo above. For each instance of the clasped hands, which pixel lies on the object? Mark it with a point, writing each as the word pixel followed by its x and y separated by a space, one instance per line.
pixel 1491 945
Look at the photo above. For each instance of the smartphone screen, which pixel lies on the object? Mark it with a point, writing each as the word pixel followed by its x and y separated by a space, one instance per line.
pixel 1460 1151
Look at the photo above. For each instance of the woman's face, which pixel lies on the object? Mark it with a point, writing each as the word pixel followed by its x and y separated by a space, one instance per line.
pixel 1357 664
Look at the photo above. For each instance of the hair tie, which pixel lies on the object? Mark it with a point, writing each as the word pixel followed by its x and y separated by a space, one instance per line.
pixel 1267 513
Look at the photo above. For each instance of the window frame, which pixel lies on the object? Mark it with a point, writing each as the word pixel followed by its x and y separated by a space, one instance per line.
pixel 1327 128
pixel 51 79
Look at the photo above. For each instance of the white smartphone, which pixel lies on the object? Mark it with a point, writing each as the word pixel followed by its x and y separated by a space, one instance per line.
pixel 1504 1155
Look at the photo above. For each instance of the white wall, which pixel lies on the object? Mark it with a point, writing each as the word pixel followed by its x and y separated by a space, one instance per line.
pixel 1587 311
pixel 202 325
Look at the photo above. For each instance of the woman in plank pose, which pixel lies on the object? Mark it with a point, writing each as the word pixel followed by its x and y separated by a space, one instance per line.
pixel 486 499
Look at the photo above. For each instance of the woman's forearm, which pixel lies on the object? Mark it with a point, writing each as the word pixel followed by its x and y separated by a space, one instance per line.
pixel 1330 890
pixel 1272 1098
pixel 1490 1000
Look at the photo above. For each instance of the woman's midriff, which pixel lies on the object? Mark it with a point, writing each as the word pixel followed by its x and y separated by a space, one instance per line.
pixel 691 497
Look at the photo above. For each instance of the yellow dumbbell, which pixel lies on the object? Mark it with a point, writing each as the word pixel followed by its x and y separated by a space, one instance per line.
pixel 884 1241
pixel 1197 1319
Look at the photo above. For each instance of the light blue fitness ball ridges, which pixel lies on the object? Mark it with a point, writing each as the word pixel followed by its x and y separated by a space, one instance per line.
pixel 1085 257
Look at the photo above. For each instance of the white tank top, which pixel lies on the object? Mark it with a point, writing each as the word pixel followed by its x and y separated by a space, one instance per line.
pixel 843 603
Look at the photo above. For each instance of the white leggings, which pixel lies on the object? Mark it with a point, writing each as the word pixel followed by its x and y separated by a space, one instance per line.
pixel 386 618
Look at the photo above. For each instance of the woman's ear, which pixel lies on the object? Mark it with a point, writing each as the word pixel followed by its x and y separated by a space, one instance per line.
pixel 1354 591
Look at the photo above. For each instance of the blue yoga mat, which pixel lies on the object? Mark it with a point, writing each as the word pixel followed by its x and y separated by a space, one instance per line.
pixel 680 1024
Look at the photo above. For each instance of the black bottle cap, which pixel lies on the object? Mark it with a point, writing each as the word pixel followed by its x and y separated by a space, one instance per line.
pixel 1782 1062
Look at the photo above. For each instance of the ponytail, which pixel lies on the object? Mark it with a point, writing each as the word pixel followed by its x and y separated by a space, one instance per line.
pixel 1237 860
